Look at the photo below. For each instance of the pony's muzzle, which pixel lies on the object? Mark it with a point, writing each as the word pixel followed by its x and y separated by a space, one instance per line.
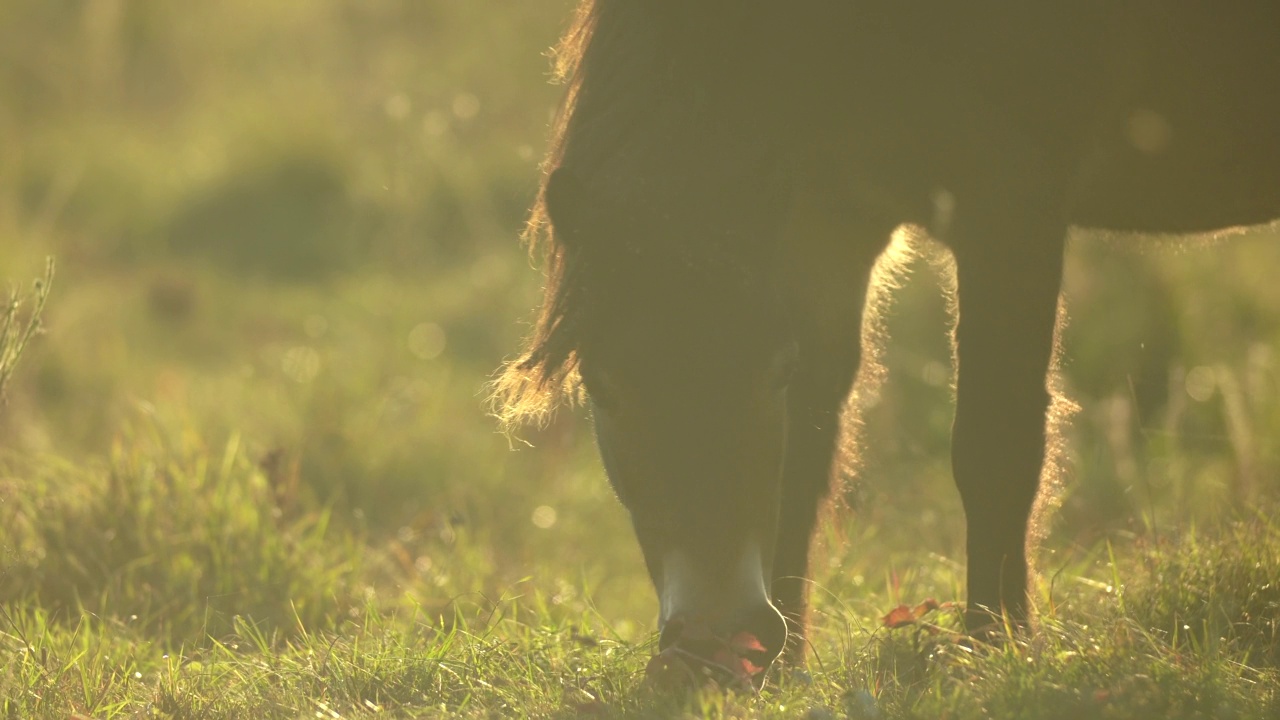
pixel 721 611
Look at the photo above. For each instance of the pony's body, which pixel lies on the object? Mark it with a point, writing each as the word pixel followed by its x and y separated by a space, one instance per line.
pixel 726 175
pixel 1150 116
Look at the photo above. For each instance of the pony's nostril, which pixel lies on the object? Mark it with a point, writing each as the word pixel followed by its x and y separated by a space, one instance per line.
pixel 736 652
pixel 770 629
pixel 760 633
pixel 671 634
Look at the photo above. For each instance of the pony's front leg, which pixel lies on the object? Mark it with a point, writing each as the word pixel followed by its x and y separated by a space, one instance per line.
pixel 1008 275
pixel 816 397
pixel 830 253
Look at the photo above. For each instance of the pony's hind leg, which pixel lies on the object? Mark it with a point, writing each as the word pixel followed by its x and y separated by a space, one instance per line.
pixel 1008 276
pixel 829 257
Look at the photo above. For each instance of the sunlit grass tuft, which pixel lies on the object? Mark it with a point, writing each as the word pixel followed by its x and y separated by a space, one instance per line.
pixel 18 324
pixel 1215 592
pixel 171 535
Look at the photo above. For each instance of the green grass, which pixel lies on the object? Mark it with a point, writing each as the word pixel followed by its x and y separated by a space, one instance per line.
pixel 246 471
pixel 1137 652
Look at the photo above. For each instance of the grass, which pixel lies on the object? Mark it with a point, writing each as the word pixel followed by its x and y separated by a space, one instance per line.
pixel 246 469
pixel 18 325
pixel 1110 655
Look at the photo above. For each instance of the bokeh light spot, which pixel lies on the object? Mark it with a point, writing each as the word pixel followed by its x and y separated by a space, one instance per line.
pixel 544 516
pixel 466 106
pixel 427 341
pixel 1149 132
pixel 1201 383
pixel 301 364
pixel 398 106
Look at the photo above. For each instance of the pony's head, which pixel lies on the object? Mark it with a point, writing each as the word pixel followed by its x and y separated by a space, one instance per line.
pixel 686 357
pixel 657 226
pixel 668 316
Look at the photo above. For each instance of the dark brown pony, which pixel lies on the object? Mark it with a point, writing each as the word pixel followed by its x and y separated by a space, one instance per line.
pixel 725 175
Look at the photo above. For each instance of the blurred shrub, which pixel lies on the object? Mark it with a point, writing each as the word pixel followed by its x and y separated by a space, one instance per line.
pixel 288 217
pixel 285 138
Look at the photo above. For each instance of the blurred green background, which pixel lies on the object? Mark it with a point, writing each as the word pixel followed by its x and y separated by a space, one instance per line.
pixel 287 242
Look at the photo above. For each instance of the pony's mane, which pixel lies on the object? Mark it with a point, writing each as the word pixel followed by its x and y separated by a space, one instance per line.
pixel 602 34
pixel 650 120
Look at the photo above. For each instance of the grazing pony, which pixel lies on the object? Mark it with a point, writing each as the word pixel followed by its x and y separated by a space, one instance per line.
pixel 723 177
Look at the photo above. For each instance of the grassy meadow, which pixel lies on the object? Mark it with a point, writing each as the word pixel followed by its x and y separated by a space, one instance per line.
pixel 247 469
